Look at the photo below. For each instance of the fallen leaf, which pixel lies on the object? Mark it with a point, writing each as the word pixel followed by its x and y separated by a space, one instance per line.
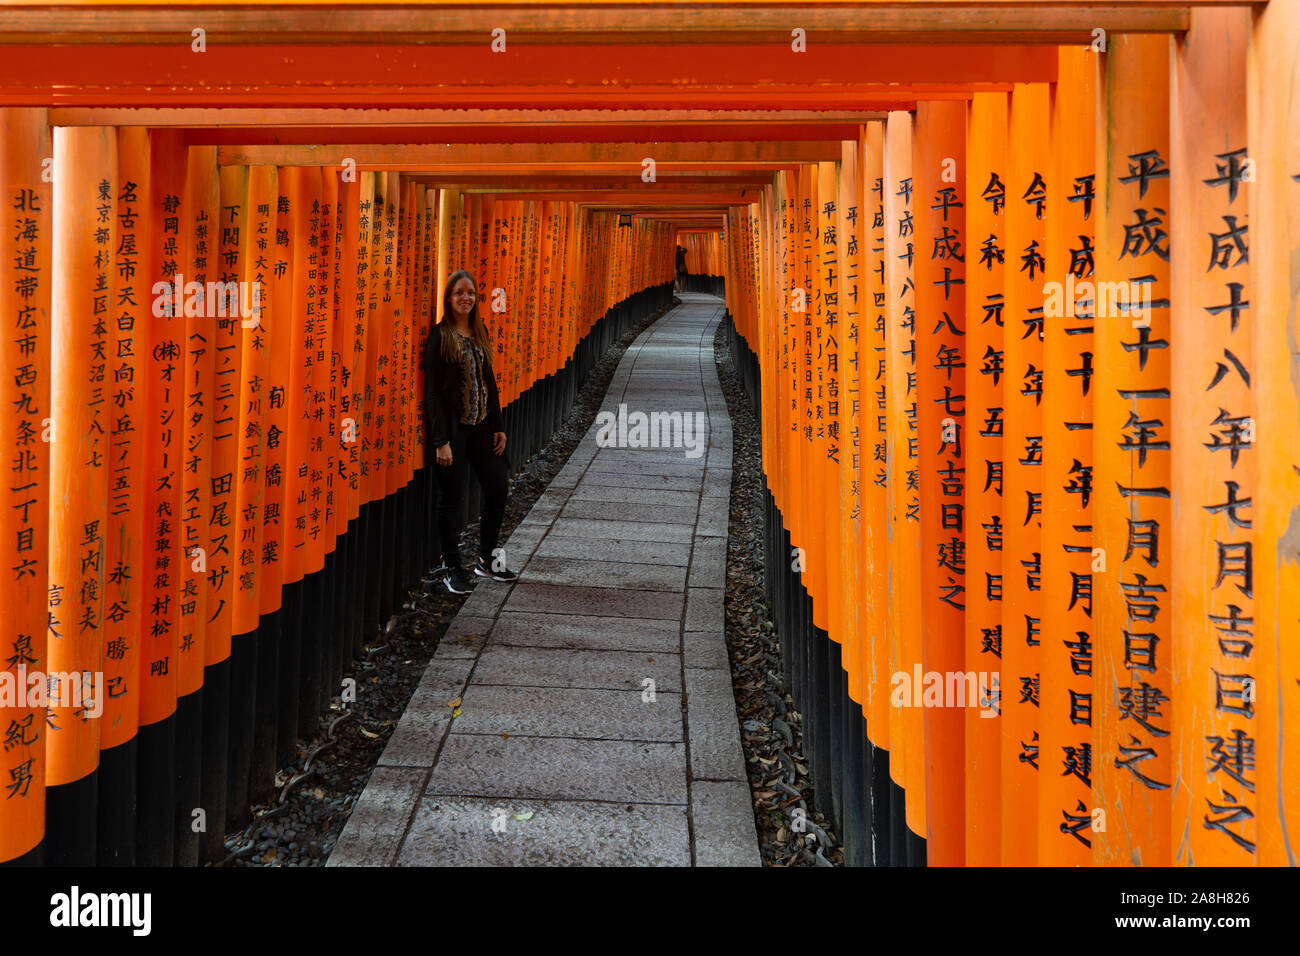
pixel 456 712
pixel 368 733
pixel 505 735
pixel 525 816
pixel 269 856
pixel 454 702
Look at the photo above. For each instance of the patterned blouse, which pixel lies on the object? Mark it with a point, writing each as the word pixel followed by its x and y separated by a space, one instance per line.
pixel 475 393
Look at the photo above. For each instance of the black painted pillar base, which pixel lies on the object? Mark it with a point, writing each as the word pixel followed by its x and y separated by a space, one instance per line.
pixel 189 777
pixel 215 760
pixel 70 822
pixel 243 705
pixel 118 778
pixel 156 794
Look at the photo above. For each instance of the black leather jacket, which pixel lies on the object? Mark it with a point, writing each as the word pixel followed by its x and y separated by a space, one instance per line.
pixel 443 395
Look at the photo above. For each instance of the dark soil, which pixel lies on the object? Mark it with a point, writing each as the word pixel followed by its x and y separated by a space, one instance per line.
pixel 778 769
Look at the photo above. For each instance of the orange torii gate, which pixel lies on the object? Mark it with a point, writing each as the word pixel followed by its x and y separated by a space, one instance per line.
pixel 1035 266
pixel 260 407
pixel 1077 302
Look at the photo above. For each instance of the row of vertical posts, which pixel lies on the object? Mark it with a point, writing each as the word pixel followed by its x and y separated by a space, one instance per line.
pixel 1026 368
pixel 215 447
pixel 705 260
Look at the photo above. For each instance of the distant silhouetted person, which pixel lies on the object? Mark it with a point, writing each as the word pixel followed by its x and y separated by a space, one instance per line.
pixel 680 285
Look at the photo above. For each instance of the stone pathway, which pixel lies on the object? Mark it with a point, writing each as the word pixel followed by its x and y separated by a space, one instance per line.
pixel 596 721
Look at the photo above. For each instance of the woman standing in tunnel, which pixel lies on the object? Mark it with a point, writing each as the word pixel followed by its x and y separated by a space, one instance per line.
pixel 464 427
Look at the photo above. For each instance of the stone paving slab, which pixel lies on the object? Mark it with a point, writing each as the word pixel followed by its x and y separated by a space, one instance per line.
pixel 715 517
pixel 458 831
pixel 585 631
pixel 562 768
pixel 704 610
pixel 607 574
pixel 619 479
pixel 702 649
pixel 714 733
pixel 375 829
pixel 648 463
pixel 717 483
pixel 552 727
pixel 616 549
pixel 570 712
pixel 632 511
pixel 636 496
pixel 723 811
pixel 570 667
pixel 602 602
pixel 709 563
pixel 633 530
pixel 428 715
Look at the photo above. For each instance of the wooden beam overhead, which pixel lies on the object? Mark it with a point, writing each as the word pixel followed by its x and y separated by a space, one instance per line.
pixel 610 132
pixel 840 77
pixel 552 178
pixel 282 122
pixel 880 21
pixel 629 199
pixel 606 158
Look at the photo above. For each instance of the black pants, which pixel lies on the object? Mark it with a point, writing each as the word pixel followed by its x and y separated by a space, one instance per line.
pixel 471 446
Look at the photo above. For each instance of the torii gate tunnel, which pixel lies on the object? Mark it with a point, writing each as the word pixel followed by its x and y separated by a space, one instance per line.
pixel 1015 289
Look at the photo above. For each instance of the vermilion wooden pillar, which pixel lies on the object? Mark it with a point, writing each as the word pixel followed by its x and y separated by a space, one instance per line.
pixel 798 475
pixel 1214 647
pixel 828 450
pixel 258 240
pixel 355 239
pixel 226 335
pixel 906 731
pixel 252 747
pixel 26 240
pixel 876 473
pixel 125 557
pixel 333 523
pixel 850 334
pixel 1132 431
pixel 372 475
pixel 1273 135
pixel 319 540
pixel 986 174
pixel 1066 688
pixel 199 229
pixel 389 335
pixel 405 359
pixel 164 457
pixel 939 181
pixel 1025 191
pixel 826 346
pixel 82 277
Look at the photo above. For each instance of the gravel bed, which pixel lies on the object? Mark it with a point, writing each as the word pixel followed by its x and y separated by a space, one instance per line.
pixel 771 728
pixel 315 794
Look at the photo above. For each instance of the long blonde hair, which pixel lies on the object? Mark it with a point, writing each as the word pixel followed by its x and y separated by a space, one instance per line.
pixel 478 330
